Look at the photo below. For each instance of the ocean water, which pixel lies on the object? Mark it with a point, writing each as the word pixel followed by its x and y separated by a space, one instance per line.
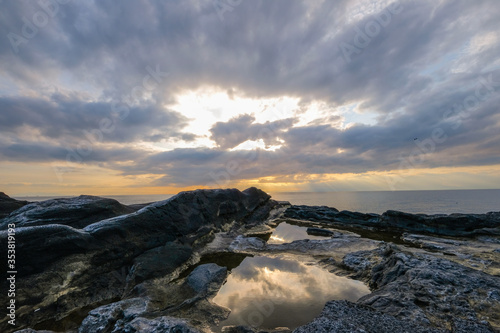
pixel 426 202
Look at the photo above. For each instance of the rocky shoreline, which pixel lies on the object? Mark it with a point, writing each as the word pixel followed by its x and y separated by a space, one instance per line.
pixel 90 264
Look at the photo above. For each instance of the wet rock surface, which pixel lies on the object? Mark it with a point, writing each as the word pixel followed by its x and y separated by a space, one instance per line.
pixel 90 264
pixel 74 212
pixel 66 268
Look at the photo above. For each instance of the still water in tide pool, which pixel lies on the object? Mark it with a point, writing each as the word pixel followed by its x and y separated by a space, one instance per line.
pixel 287 233
pixel 269 292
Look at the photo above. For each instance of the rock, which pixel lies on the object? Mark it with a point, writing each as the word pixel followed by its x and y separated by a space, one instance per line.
pixel 281 330
pixel 66 268
pixel 157 325
pixel 188 299
pixel 30 330
pixel 494 294
pixel 113 316
pixel 395 221
pixel 246 329
pixel 320 232
pixel 331 216
pixel 75 212
pixel 242 244
pixel 430 242
pixel 360 262
pixel 347 317
pixel 40 246
pixel 203 276
pixel 311 212
pixel 450 225
pixel 425 289
pixel 467 326
pixel 8 205
pixel 237 329
pixel 160 261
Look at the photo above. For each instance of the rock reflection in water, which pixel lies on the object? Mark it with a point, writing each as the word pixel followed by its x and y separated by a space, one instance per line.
pixel 286 233
pixel 272 292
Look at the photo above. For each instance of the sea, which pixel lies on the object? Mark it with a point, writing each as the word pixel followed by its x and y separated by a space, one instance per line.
pixel 425 202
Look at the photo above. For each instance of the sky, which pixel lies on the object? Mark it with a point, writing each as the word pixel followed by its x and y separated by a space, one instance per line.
pixel 153 97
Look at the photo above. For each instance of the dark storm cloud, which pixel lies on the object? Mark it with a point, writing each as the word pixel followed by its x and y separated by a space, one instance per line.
pixel 261 47
pixel 48 152
pixel 70 118
pixel 426 58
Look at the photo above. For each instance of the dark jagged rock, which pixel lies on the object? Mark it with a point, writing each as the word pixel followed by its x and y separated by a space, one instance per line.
pixel 426 289
pixel 113 316
pixel 311 212
pixel 105 260
pixel 439 224
pixel 200 285
pixel 8 205
pixel 331 215
pixel 127 236
pixel 160 260
pixel 467 326
pixel 75 212
pixel 347 317
pixel 203 276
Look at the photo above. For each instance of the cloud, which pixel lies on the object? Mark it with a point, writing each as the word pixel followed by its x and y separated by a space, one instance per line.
pixel 413 75
pixel 242 128
pixel 60 153
pixel 72 118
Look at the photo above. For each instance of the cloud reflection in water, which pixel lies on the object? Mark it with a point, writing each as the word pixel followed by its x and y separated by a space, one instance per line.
pixel 272 292
pixel 286 233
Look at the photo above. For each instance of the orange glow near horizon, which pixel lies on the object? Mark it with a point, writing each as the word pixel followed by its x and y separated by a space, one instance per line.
pixel 32 180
